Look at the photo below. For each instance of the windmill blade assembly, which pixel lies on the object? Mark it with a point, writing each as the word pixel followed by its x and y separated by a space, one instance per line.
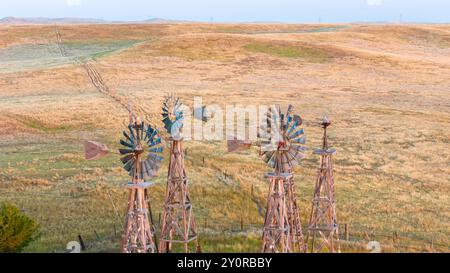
pixel 139 139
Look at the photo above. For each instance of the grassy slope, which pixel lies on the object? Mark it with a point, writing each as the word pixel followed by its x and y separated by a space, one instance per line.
pixel 391 167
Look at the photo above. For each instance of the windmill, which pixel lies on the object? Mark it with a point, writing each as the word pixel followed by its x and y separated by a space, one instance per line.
pixel 140 157
pixel 281 144
pixel 178 223
pixel 138 233
pixel 323 229
pixel 282 147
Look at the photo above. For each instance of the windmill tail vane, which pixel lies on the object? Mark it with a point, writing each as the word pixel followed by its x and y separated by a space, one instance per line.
pixel 236 145
pixel 94 150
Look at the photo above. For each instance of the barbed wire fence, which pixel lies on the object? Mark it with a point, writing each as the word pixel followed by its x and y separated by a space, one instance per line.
pixel 351 238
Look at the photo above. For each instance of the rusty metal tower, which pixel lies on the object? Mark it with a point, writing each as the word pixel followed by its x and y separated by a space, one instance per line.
pixel 178 223
pixel 323 229
pixel 140 140
pixel 277 237
pixel 282 147
pixel 140 157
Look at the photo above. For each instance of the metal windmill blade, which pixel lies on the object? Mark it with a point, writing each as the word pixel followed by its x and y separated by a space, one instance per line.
pixel 271 130
pixel 155 148
pixel 282 138
pixel 295 134
pixel 270 135
pixel 172 114
pixel 140 139
pixel 131 148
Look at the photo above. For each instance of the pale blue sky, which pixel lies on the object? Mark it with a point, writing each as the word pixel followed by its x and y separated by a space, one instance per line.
pixel 291 11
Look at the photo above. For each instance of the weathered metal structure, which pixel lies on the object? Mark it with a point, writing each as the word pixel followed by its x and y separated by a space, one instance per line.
pixel 323 229
pixel 282 147
pixel 141 159
pixel 178 221
pixel 94 150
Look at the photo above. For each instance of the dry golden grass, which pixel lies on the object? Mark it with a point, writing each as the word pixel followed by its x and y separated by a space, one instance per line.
pixel 386 87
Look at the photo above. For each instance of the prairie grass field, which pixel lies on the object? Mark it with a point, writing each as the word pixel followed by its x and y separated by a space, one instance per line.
pixel 386 88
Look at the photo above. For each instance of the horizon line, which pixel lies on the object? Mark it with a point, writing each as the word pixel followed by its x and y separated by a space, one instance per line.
pixel 102 20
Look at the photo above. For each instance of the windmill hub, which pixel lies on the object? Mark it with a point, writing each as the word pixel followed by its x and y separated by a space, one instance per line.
pixel 283 145
pixel 138 150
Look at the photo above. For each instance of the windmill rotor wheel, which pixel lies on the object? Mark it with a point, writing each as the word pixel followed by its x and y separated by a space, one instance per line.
pixel 282 138
pixel 142 149
pixel 173 116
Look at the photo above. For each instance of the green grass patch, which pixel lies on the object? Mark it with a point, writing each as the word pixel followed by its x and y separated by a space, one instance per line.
pixel 252 30
pixel 325 29
pixel 309 54
pixel 97 49
pixel 230 29
pixel 42 126
pixel 227 242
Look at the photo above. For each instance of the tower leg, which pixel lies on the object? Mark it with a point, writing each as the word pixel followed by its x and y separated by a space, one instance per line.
pixel 138 235
pixel 178 218
pixel 296 233
pixel 323 227
pixel 276 231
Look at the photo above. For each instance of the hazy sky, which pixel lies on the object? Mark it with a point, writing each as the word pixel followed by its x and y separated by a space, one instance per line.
pixel 235 10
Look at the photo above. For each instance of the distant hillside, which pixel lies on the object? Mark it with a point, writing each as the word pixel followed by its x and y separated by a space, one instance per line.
pixel 43 20
pixel 67 20
pixel 165 21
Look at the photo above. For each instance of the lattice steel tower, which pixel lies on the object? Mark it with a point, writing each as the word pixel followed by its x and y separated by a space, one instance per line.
pixel 141 139
pixel 282 148
pixel 323 229
pixel 178 223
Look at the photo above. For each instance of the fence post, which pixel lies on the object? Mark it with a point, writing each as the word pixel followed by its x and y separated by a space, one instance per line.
pixel 80 240
pixel 432 244
pixel 96 235
pixel 242 223
pixel 346 232
pixel 366 234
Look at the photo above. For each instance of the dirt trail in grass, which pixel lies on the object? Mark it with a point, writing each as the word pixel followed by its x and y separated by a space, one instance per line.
pixel 61 47
pixel 99 83
pixel 101 86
